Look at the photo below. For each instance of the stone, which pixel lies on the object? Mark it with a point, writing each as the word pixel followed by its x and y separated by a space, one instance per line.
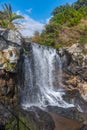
pixel 74 75
pixel 71 113
pixel 9 58
pixel 65 57
pixel 75 48
pixel 11 51
pixel 83 90
pixel 11 35
pixel 2 127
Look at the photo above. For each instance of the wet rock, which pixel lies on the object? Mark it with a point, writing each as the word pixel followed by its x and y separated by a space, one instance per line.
pixel 75 98
pixel 84 127
pixel 65 57
pixel 40 119
pixel 4 114
pixel 71 113
pixel 2 127
pixel 64 123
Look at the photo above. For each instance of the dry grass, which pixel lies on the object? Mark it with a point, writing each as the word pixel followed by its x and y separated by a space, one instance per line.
pixel 71 35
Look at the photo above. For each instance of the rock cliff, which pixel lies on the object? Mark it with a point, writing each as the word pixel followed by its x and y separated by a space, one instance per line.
pixel 10 67
pixel 74 80
pixel 10 54
pixel 75 75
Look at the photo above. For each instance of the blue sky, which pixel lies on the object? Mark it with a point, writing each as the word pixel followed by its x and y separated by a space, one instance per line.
pixel 37 11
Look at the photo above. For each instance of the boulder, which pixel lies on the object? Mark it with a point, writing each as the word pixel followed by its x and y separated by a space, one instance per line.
pixel 11 35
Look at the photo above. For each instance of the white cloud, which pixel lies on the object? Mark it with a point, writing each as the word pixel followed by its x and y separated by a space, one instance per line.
pixel 29 10
pixel 28 26
pixel 48 19
pixel 18 12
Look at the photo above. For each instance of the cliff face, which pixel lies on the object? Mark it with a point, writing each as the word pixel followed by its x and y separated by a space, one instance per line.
pixel 11 50
pixel 74 79
pixel 10 55
pixel 11 59
pixel 75 76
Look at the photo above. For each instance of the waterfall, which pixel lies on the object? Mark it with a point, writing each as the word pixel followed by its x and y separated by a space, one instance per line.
pixel 42 78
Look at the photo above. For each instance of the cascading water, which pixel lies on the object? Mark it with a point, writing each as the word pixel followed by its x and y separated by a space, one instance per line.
pixel 43 77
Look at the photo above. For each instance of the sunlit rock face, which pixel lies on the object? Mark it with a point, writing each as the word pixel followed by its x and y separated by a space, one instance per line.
pixel 75 76
pixel 83 90
pixel 9 58
pixel 79 54
pixel 11 35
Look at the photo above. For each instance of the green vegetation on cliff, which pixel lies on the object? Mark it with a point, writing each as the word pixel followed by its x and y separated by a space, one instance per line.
pixel 67 25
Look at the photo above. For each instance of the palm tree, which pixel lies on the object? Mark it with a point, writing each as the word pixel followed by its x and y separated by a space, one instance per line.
pixel 8 16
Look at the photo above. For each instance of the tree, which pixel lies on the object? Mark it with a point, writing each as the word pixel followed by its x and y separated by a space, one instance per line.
pixel 60 9
pixel 7 16
pixel 79 4
pixel 65 20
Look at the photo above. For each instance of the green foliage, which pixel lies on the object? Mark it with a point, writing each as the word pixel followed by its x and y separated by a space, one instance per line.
pixel 24 50
pixel 58 45
pixel 21 122
pixel 83 37
pixel 60 9
pixel 49 41
pixel 11 124
pixel 3 23
pixel 75 19
pixel 7 16
pixel 64 18
pixel 69 16
pixel 85 29
pixel 53 28
pixel 79 4
pixel 83 40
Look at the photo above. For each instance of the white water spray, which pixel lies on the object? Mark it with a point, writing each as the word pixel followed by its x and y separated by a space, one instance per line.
pixel 40 77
